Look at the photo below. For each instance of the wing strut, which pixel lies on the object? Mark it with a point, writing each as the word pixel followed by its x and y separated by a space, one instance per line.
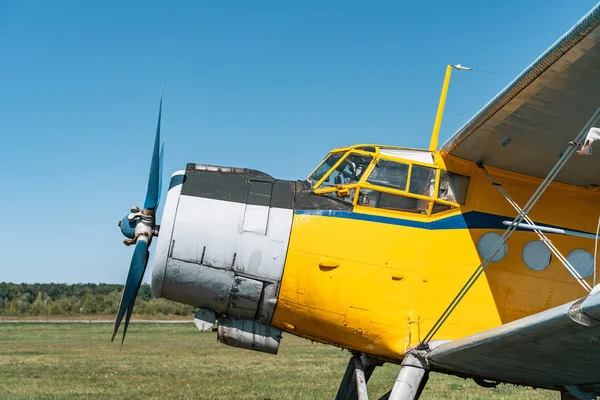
pixel 510 230
pixel 541 234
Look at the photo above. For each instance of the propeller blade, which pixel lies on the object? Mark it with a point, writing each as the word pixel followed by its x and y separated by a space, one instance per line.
pixel 127 317
pixel 139 260
pixel 160 170
pixel 153 193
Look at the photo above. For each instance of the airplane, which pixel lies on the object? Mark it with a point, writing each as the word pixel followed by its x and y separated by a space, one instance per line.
pixel 476 259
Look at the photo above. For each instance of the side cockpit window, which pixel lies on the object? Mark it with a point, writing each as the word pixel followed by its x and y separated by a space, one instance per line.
pixel 390 201
pixel 413 188
pixel 453 187
pixel 422 180
pixel 390 174
pixel 415 179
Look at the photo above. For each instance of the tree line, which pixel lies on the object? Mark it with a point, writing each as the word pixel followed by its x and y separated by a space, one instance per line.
pixel 26 299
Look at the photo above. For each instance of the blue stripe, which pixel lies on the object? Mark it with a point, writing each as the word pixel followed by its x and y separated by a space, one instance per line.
pixel 470 220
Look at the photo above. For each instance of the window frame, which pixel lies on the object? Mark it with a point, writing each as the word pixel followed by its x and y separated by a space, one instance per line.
pixel 323 162
pixel 405 193
pixel 362 183
pixel 319 184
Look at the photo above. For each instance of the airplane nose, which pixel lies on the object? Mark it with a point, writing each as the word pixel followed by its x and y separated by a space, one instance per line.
pixel 223 240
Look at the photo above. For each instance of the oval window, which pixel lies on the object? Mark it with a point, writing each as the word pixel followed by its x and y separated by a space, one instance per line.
pixel 536 255
pixel 487 244
pixel 582 261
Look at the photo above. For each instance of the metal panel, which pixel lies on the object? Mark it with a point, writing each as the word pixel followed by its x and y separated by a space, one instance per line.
pixel 591 307
pixel 554 348
pixel 197 285
pixel 268 301
pixel 248 335
pixel 207 230
pixel 255 219
pixel 245 295
pixel 264 255
pixel 167 223
pixel 259 193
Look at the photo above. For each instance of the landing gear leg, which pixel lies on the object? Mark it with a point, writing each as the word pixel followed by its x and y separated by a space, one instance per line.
pixel 354 383
pixel 411 380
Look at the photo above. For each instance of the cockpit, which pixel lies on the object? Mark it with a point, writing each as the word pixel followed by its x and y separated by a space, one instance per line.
pixel 391 178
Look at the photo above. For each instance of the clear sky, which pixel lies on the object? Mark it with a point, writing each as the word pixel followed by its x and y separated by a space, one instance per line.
pixel 269 85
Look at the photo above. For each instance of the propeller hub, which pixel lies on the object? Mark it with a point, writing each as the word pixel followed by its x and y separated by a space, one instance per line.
pixel 127 228
pixel 138 223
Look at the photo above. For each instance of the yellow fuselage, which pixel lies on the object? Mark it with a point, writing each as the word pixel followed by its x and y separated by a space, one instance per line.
pixel 376 280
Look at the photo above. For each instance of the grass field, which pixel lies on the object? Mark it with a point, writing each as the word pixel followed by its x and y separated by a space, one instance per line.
pixel 175 361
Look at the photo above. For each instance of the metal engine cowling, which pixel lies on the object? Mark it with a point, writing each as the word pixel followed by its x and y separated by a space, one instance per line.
pixel 223 240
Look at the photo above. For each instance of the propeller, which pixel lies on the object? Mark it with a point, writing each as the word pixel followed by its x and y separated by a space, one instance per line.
pixel 139 227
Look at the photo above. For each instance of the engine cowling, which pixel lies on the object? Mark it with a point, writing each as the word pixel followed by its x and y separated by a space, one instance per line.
pixel 223 240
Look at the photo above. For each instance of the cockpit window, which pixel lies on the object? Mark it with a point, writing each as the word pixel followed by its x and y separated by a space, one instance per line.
pixel 453 187
pixel 325 167
pixel 377 199
pixel 349 171
pixel 401 180
pixel 389 174
pixel 422 180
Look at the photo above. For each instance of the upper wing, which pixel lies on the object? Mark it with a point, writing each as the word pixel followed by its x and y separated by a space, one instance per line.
pixel 541 110
pixel 557 348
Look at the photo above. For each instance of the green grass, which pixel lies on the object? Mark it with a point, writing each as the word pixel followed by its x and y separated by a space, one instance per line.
pixel 175 361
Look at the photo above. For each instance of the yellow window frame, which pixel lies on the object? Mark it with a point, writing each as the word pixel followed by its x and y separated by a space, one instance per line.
pixel 361 152
pixel 363 184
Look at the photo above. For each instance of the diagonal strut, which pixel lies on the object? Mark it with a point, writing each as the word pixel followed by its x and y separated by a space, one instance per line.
pixel 510 230
pixel 541 234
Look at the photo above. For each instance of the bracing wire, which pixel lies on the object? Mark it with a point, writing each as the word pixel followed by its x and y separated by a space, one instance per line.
pixel 494 73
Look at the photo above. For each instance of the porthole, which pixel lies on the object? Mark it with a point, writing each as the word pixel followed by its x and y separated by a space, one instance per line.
pixel 536 255
pixel 582 261
pixel 486 246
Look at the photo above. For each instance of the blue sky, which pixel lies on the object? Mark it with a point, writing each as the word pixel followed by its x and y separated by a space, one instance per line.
pixel 269 85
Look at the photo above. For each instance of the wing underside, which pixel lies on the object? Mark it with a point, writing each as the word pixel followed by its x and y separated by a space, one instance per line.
pixel 529 124
pixel 557 348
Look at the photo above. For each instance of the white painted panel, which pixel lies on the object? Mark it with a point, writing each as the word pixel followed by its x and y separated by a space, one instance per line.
pixel 207 226
pixel 255 219
pixel 217 225
pixel 414 155
pixel 264 255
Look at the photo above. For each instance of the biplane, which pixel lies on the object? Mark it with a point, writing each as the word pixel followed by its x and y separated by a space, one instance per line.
pixel 477 259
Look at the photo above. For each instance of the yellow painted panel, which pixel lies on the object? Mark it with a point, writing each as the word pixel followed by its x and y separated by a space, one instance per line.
pixel 376 280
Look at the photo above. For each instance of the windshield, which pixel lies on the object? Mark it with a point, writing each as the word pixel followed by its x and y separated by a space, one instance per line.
pixel 325 166
pixel 349 171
